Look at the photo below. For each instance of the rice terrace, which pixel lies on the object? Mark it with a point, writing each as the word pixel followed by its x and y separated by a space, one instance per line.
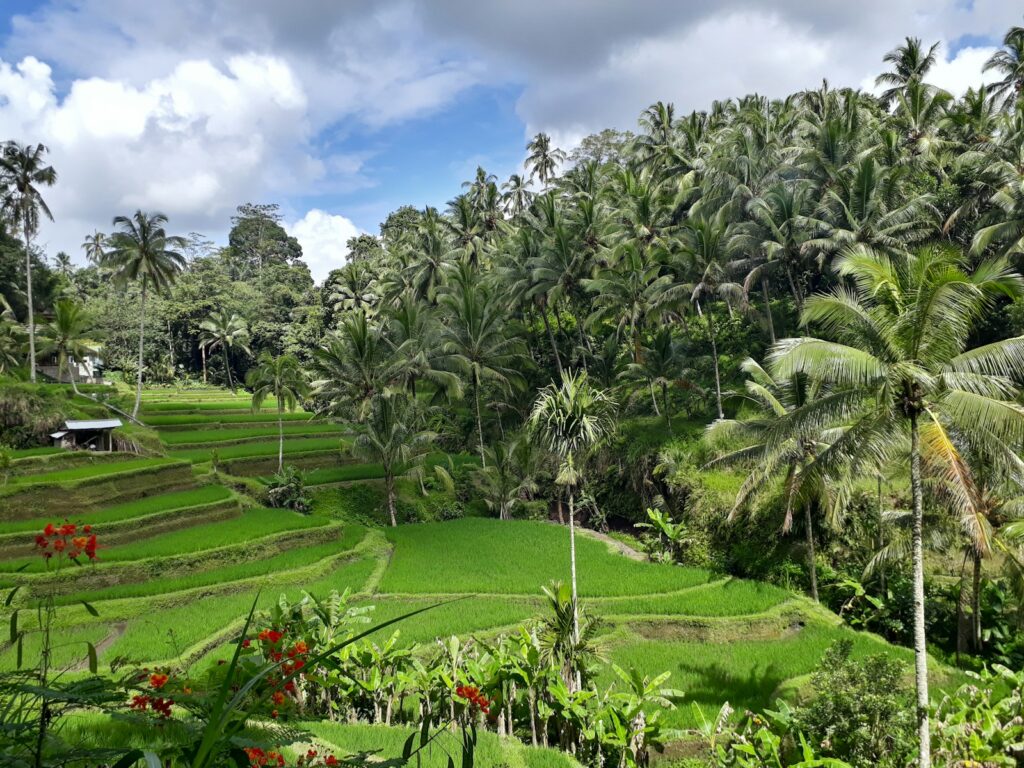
pixel 691 441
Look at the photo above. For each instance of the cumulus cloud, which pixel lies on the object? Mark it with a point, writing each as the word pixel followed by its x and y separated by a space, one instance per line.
pixel 323 237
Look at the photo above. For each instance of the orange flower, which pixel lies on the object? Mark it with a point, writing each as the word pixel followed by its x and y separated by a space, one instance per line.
pixel 158 680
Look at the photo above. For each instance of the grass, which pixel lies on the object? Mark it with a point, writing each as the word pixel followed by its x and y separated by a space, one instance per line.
pixel 501 556
pixel 734 598
pixel 225 435
pixel 746 673
pixel 287 560
pixel 171 406
pixel 252 524
pixel 350 472
pixel 385 744
pixel 88 472
pixel 25 453
pixel 212 419
pixel 207 494
pixel 269 448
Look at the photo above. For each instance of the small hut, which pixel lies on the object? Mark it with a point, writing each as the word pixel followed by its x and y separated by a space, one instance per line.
pixel 91 435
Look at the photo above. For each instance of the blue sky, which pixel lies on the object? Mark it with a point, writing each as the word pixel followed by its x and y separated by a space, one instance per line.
pixel 343 111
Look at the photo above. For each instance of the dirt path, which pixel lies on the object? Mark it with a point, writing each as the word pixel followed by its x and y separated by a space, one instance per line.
pixel 618 546
pixel 116 630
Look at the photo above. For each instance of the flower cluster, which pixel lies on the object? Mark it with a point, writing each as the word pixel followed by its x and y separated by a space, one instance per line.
pixel 260 758
pixel 474 697
pixel 291 656
pixel 159 704
pixel 66 540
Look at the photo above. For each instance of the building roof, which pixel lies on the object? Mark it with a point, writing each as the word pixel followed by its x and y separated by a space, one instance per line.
pixel 72 426
pixel 57 435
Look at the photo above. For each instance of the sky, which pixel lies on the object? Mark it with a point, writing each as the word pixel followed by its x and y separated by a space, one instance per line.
pixel 342 110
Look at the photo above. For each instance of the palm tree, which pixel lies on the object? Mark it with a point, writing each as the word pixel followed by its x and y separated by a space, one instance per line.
pixel 660 365
pixel 774 453
pixel 65 336
pixel 352 366
pixel 1008 62
pixel 543 160
pixel 281 378
pixel 910 64
pixel 392 437
pixel 570 419
pixel 23 173
pixel 62 263
pixel 227 331
pixel 12 341
pixel 516 195
pixel 142 250
pixel 94 246
pixel 900 372
pixel 508 476
pixel 475 342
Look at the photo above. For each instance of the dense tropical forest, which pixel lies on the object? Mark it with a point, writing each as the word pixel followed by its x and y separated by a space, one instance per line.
pixel 761 363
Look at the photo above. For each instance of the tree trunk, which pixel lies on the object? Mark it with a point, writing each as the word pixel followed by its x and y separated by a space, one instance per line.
pixel 551 338
pixel 797 295
pixel 812 565
pixel 31 307
pixel 280 435
pixel 202 355
pixel 227 366
pixel 142 339
pixel 920 640
pixel 572 571
pixel 533 716
pixel 976 605
pixel 714 359
pixel 390 482
pixel 71 373
pixel 768 310
pixel 664 399
pixel 479 421
pixel 654 399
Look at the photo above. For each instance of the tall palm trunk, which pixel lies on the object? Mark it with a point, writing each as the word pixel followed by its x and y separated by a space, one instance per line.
pixel 920 641
pixel 551 337
pixel 227 366
pixel 479 421
pixel 71 373
pixel 714 359
pixel 280 433
pixel 390 483
pixel 812 564
pixel 664 399
pixel 142 343
pixel 768 309
pixel 572 573
pixel 31 307
pixel 202 355
pixel 976 604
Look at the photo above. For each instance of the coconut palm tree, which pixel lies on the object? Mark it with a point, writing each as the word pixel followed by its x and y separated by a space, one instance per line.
pixel 352 366
pixel 910 63
pixel 1008 61
pixel 142 250
pixel 66 336
pixel 283 379
pixel 227 331
pixel 94 246
pixel 23 174
pixel 393 437
pixel 660 365
pixel 543 160
pixel 902 377
pixel 516 195
pixel 752 438
pixel 475 342
pixel 508 477
pixel 570 419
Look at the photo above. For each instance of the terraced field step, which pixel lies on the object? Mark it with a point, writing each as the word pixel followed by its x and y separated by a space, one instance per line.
pixel 264 448
pixel 177 421
pixel 198 438
pixel 69 492
pixel 60 459
pixel 251 525
pixel 205 406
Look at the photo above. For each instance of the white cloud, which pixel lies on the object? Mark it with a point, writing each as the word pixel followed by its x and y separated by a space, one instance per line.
pixel 323 237
pixel 963 71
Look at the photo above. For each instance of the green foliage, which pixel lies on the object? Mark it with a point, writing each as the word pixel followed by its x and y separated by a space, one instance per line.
pixel 286 490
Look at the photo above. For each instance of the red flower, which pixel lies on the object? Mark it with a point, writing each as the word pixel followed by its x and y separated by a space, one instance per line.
pixel 80 542
pixel 278 697
pixel 273 714
pixel 158 680
pixel 50 530
pixel 246 643
pixel 68 529
pixel 330 760
pixel 59 545
pixel 140 702
pixel 86 529
pixel 42 542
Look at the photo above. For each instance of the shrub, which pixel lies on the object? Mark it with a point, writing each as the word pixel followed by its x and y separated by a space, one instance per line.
pixel 286 490
pixel 434 507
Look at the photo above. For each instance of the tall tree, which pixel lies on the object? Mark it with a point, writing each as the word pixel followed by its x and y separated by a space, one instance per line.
pixel 23 174
pixel 282 378
pixel 901 373
pixel 543 159
pixel 227 331
pixel 571 419
pixel 94 246
pixel 1008 61
pixel 141 250
pixel 910 63
pixel 66 335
